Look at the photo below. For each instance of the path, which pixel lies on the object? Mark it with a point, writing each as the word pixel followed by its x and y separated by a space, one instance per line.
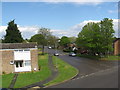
pixel 13 81
pixel 54 73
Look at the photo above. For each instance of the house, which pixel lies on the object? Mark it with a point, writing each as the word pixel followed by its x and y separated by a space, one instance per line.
pixel 117 46
pixel 18 57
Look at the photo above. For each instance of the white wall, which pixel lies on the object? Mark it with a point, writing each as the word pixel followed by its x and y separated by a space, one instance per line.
pixel 22 55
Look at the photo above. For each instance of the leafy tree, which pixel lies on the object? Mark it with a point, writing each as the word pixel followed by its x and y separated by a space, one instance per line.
pixel 40 39
pixel 89 37
pixel 107 31
pixel 45 32
pixel 53 41
pixel 97 37
pixel 72 39
pixel 64 41
pixel 13 35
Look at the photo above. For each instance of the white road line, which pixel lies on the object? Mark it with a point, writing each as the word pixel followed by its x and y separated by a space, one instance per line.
pixel 84 76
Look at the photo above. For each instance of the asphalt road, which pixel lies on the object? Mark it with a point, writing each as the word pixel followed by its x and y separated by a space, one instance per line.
pixel 92 73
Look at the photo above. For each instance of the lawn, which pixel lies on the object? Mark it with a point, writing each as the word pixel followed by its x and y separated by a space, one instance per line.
pixel 65 71
pixel 25 79
pixel 110 57
pixel 6 80
pixel 89 56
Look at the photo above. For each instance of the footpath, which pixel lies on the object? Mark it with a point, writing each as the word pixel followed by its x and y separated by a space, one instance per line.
pixel 54 73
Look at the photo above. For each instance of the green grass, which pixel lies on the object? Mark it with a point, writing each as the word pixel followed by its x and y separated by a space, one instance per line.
pixel 25 79
pixel 89 56
pixel 6 80
pixel 65 71
pixel 110 57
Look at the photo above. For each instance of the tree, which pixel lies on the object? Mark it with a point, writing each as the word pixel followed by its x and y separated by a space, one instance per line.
pixel 107 30
pixel 64 41
pixel 53 41
pixel 89 37
pixel 72 39
pixel 45 32
pixel 97 37
pixel 13 35
pixel 40 39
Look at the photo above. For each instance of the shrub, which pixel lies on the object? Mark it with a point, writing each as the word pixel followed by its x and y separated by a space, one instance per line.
pixel 3 72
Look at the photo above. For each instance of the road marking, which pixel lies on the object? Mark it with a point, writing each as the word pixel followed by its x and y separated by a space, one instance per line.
pixel 84 76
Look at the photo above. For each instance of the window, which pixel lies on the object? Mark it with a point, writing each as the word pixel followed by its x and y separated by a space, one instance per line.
pixel 20 50
pixel 16 50
pixel 27 63
pixel 26 50
pixel 19 64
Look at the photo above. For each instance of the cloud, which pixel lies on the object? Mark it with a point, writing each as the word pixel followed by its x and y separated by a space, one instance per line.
pixel 112 11
pixel 28 31
pixel 79 26
pixel 57 1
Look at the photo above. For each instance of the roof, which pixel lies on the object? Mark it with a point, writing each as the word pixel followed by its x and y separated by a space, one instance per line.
pixel 116 40
pixel 17 45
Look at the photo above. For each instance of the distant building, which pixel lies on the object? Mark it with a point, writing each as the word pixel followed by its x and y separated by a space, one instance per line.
pixel 18 57
pixel 117 46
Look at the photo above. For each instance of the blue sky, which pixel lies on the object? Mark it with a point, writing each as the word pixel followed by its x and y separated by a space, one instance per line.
pixel 56 16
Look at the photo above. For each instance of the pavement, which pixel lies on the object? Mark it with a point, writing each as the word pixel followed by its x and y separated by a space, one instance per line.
pixel 54 73
pixel 92 73
pixel 13 81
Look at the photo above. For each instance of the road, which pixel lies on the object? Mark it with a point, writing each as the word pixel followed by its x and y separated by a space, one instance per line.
pixel 92 73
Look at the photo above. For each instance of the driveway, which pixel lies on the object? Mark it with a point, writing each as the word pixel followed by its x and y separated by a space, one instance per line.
pixel 92 73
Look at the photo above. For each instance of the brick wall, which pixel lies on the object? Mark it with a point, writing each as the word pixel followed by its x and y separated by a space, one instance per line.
pixel 7 56
pixel 34 59
pixel 117 47
pixel 0 62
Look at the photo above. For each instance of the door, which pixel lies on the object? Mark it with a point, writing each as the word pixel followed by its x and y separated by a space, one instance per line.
pixel 19 66
pixel 22 65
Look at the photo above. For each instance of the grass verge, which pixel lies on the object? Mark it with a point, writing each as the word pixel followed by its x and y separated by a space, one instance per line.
pixel 6 80
pixel 110 57
pixel 89 56
pixel 25 79
pixel 65 71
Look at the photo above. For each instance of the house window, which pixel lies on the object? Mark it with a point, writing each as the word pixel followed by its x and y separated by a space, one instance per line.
pixel 27 63
pixel 26 50
pixel 19 64
pixel 20 50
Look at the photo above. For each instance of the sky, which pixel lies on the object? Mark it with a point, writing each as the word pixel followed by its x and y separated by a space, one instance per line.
pixel 62 18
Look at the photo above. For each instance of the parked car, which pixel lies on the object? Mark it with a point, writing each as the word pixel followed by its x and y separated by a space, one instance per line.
pixel 49 47
pixel 56 54
pixel 72 54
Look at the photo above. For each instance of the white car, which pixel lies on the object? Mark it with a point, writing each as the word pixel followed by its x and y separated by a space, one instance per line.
pixel 56 54
pixel 72 54
pixel 49 47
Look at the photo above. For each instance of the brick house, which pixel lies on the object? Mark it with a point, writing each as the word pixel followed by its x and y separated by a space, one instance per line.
pixel 117 46
pixel 18 57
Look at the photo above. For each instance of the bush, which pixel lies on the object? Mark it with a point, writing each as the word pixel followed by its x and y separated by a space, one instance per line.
pixel 3 72
pixel 66 50
pixel 118 54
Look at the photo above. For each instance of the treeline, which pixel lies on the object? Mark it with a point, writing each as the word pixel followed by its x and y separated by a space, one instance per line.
pixel 94 37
